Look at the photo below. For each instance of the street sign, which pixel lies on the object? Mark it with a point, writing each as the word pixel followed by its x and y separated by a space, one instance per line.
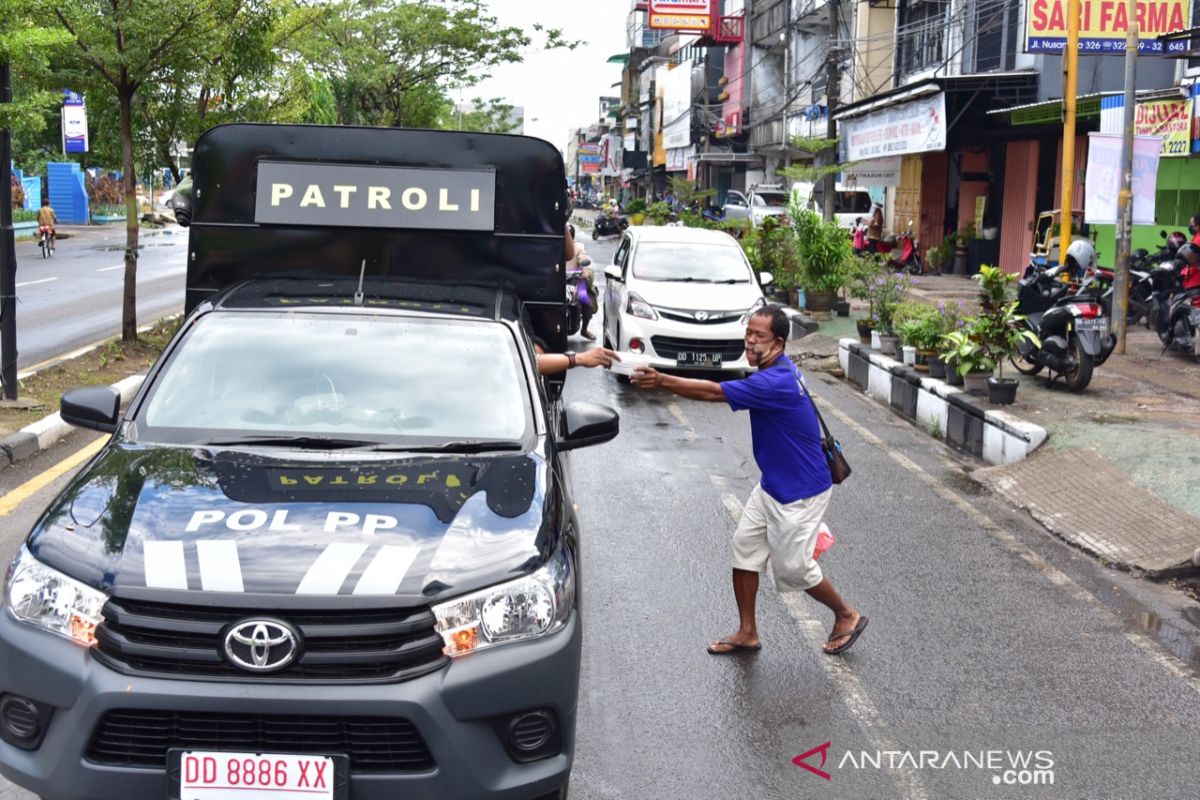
pixel 1103 26
pixel 681 15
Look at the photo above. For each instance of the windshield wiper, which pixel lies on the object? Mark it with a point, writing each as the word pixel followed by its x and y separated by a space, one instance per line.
pixel 685 280
pixel 732 280
pixel 445 447
pixel 306 442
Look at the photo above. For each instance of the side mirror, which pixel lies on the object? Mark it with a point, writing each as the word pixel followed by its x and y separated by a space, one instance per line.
pixel 1162 234
pixel 587 424
pixel 95 407
pixel 612 273
pixel 765 278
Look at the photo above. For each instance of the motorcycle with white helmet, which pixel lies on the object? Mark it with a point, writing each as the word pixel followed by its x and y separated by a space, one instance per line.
pixel 1070 323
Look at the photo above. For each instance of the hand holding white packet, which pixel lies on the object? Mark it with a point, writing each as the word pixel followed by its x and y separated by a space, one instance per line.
pixel 629 362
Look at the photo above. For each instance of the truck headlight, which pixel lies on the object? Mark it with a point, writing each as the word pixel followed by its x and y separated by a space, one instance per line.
pixel 45 597
pixel 529 607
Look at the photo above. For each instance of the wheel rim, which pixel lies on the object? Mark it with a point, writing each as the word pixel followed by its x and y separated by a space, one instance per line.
pixel 1076 354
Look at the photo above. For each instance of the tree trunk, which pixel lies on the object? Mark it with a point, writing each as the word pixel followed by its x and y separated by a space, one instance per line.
pixel 129 305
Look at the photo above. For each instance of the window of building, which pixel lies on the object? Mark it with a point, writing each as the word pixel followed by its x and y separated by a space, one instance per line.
pixel 923 37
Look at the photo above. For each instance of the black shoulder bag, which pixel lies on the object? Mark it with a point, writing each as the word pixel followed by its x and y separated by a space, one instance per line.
pixel 839 467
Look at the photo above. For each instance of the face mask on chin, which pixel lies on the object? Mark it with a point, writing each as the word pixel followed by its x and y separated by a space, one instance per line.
pixel 760 356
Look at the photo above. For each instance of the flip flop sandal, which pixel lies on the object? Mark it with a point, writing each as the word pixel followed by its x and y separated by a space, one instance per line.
pixel 734 647
pixel 854 634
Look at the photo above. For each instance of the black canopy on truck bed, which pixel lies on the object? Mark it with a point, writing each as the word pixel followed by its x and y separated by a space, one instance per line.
pixel 436 207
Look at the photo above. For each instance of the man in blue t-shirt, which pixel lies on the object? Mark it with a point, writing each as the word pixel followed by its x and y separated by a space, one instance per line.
pixel 781 519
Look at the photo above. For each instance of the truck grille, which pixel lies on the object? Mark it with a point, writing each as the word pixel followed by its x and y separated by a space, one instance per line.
pixel 345 646
pixel 135 738
pixel 671 347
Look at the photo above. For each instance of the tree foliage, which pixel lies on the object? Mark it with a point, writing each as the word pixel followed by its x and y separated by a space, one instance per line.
pixel 27 46
pixel 393 63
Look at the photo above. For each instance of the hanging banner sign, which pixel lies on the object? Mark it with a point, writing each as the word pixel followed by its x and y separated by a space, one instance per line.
pixel 1169 119
pixel 74 123
pixel 865 174
pixel 681 15
pixel 1103 25
pixel 917 126
pixel 1103 185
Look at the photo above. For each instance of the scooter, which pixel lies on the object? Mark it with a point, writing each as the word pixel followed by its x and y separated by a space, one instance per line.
pixel 907 258
pixel 605 225
pixel 1176 316
pixel 578 296
pixel 1069 324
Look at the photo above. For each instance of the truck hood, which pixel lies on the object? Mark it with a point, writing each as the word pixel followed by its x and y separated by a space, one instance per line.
pixel 179 520
pixel 709 297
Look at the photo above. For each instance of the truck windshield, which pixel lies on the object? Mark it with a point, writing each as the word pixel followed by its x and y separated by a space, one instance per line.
pixel 771 199
pixel 357 378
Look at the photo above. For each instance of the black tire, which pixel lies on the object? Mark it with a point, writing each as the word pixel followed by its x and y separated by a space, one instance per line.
pixel 45 246
pixel 1078 378
pixel 595 234
pixel 1024 367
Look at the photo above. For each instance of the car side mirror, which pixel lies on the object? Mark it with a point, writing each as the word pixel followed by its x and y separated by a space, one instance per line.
pixel 1162 234
pixel 612 273
pixel 95 407
pixel 587 424
pixel 765 279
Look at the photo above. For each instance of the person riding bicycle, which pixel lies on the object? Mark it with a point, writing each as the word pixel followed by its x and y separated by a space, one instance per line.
pixel 46 220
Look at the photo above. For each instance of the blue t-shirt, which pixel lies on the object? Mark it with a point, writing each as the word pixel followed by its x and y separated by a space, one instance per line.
pixel 784 430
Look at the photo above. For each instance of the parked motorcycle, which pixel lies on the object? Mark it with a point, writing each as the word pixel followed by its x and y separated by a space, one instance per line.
pixel 1069 323
pixel 1176 316
pixel 608 226
pixel 903 253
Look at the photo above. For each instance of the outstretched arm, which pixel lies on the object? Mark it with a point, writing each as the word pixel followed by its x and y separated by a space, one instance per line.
pixel 648 378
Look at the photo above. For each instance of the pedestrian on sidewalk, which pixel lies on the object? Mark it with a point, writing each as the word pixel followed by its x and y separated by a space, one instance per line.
pixel 875 228
pixel 781 520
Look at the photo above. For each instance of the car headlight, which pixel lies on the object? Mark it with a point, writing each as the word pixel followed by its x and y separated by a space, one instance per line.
pixel 638 307
pixel 759 303
pixel 45 597
pixel 535 605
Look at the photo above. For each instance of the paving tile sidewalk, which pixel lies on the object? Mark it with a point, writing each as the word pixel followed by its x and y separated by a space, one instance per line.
pixel 1117 473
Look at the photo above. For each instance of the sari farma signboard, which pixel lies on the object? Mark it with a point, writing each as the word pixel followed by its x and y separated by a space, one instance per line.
pixel 1103 25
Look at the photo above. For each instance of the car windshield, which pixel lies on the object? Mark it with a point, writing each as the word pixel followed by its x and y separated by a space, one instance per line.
pixel 852 203
pixel 771 199
pixel 679 261
pixel 357 379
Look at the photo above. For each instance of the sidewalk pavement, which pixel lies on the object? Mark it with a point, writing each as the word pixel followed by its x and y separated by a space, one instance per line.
pixel 1115 475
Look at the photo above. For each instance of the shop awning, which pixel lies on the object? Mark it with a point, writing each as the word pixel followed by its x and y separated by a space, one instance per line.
pixel 619 58
pixel 730 158
pixel 1049 112
pixel 1014 85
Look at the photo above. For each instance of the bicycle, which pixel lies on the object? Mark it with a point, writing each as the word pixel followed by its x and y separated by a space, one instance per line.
pixel 47 243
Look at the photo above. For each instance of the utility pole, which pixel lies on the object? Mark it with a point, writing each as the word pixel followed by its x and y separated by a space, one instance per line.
pixel 1070 90
pixel 8 254
pixel 787 71
pixel 832 97
pixel 1125 198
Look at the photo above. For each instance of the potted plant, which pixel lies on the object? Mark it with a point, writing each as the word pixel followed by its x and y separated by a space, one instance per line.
pixel 824 253
pixel 636 211
pixel 948 318
pixel 971 358
pixel 658 213
pixel 888 292
pixel 771 247
pixel 999 330
pixel 923 333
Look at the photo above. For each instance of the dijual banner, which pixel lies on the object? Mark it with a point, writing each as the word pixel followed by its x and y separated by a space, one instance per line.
pixel 1103 181
pixel 1103 25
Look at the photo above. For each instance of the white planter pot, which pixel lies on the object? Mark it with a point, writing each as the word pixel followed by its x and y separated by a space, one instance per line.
pixel 875 343
pixel 910 355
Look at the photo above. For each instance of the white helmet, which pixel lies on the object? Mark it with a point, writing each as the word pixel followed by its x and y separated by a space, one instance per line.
pixel 1083 254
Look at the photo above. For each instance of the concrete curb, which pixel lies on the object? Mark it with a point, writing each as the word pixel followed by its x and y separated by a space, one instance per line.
pixel 43 434
pixel 940 410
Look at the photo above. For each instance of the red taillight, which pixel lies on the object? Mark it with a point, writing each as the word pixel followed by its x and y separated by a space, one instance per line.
pixel 1087 310
pixel 1196 301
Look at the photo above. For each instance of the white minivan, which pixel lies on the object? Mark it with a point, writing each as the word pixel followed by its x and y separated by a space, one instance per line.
pixel 681 298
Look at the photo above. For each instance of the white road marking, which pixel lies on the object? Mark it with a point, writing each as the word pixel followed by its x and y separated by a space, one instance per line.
pixel 840 672
pixel 677 413
pixel 110 269
pixel 329 571
pixel 35 283
pixel 1177 667
pixel 220 567
pixel 386 571
pixel 164 565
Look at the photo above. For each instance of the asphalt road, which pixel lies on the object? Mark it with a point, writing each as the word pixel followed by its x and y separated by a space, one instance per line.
pixel 989 640
pixel 74 298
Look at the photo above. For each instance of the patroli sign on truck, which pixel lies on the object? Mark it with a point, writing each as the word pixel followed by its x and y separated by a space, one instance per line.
pixel 1103 25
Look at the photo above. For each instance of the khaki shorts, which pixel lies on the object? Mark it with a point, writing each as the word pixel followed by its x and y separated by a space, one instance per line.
pixel 783 534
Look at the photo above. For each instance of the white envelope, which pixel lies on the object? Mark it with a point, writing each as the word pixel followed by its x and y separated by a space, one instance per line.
pixel 629 363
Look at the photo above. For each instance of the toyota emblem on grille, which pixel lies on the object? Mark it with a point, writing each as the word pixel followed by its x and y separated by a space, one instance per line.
pixel 261 645
pixel 701 315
